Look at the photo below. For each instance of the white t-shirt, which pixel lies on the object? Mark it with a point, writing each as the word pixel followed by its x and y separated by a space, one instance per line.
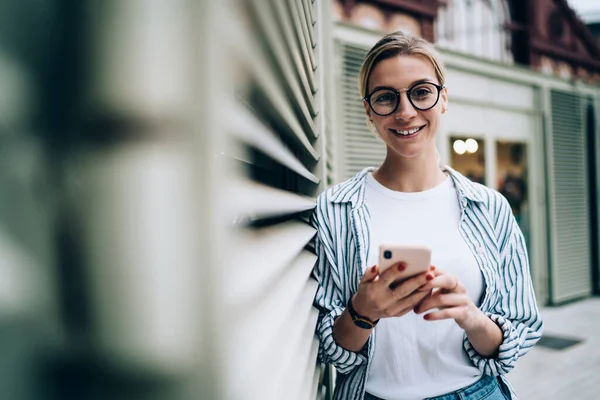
pixel 414 358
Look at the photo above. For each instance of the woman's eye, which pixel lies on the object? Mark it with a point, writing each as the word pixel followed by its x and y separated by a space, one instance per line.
pixel 421 92
pixel 385 98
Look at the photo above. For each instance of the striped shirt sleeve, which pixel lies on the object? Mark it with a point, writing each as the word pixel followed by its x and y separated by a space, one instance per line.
pixel 515 310
pixel 328 299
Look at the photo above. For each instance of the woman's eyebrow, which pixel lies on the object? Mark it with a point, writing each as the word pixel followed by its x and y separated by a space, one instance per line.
pixel 424 80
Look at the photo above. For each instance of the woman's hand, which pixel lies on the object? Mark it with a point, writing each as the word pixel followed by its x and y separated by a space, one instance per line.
pixel 450 297
pixel 452 301
pixel 380 296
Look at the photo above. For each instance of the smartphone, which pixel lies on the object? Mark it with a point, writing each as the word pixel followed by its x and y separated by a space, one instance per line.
pixel 417 259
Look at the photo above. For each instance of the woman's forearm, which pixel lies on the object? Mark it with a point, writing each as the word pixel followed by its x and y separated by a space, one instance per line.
pixel 349 336
pixel 485 336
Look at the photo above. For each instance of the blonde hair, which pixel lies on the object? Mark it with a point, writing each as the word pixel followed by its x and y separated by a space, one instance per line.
pixel 398 44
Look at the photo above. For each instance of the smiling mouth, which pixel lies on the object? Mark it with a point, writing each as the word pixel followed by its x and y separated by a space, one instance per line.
pixel 408 132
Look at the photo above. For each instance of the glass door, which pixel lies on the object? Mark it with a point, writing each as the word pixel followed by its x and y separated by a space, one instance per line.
pixel 511 173
pixel 467 156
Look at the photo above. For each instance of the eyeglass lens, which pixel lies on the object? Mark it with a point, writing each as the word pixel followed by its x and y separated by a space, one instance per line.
pixel 422 96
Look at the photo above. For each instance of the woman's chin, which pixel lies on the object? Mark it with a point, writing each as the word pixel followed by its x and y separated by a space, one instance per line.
pixel 409 152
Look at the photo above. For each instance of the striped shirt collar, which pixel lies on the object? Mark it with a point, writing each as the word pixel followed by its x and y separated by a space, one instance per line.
pixel 353 191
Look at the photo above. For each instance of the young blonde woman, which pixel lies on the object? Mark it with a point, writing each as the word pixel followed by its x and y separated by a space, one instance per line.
pixel 454 331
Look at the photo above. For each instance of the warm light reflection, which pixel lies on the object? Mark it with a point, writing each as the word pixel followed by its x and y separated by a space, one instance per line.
pixel 471 145
pixel 465 146
pixel 459 147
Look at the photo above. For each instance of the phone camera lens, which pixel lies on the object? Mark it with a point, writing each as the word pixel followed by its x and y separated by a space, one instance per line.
pixel 387 254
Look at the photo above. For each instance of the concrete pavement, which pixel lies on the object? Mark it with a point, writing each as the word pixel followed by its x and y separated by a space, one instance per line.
pixel 572 373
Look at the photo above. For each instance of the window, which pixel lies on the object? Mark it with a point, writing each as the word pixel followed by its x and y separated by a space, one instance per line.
pixel 476 27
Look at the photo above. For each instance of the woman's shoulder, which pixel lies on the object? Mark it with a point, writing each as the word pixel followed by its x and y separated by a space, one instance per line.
pixel 344 192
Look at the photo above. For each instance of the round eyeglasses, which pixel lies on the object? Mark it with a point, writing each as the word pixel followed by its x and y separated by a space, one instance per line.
pixel 385 100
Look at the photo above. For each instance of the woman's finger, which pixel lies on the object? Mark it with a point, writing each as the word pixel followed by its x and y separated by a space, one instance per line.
pixel 429 285
pixel 405 305
pixel 407 287
pixel 447 313
pixel 390 275
pixel 448 283
pixel 396 274
pixel 441 301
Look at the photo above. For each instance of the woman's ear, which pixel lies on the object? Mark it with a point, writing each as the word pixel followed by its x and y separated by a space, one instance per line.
pixel 444 99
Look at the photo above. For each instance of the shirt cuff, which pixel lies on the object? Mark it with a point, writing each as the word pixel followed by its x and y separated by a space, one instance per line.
pixel 329 351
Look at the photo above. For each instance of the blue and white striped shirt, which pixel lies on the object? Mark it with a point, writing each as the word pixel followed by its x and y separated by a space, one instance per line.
pixel 489 228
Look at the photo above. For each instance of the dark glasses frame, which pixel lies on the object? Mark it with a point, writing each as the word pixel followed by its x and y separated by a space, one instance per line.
pixel 408 92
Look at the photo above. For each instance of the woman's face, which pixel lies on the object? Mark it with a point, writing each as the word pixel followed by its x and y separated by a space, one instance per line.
pixel 408 132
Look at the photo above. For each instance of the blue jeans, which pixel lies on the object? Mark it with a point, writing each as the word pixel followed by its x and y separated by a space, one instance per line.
pixel 487 388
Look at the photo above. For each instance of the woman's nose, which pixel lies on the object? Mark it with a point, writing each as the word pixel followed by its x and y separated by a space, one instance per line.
pixel 405 109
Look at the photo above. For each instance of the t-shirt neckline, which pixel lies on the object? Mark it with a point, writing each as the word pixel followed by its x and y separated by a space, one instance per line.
pixel 425 194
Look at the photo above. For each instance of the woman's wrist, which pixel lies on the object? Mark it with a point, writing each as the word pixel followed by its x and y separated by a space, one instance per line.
pixel 358 305
pixel 484 334
pixel 475 322
pixel 348 335
pixel 359 319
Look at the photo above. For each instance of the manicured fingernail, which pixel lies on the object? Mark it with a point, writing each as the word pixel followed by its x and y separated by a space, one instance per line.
pixel 429 277
pixel 401 267
pixel 432 268
pixel 374 268
pixel 426 316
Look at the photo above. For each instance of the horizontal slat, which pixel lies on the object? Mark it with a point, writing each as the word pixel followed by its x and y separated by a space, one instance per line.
pixel 308 8
pixel 303 28
pixel 366 150
pixel 359 158
pixel 299 63
pixel 247 128
pixel 254 201
pixel 261 256
pixel 279 49
pixel 253 57
pixel 357 117
pixel 251 200
pixel 576 287
pixel 315 384
pixel 309 12
pixel 303 33
pixel 365 139
pixel 361 148
pixel 268 329
pixel 567 294
pixel 297 349
pixel 310 381
pixel 304 368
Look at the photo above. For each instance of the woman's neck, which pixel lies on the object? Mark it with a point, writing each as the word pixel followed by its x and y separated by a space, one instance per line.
pixel 409 175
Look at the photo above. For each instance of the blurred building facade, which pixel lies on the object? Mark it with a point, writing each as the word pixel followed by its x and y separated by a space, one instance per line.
pixel 592 20
pixel 524 98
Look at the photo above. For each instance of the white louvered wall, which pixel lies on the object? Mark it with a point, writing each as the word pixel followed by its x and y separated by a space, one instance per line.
pixel 569 205
pixel 359 147
pixel 277 157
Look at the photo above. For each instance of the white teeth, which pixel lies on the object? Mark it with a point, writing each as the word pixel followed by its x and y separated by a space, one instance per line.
pixel 406 133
